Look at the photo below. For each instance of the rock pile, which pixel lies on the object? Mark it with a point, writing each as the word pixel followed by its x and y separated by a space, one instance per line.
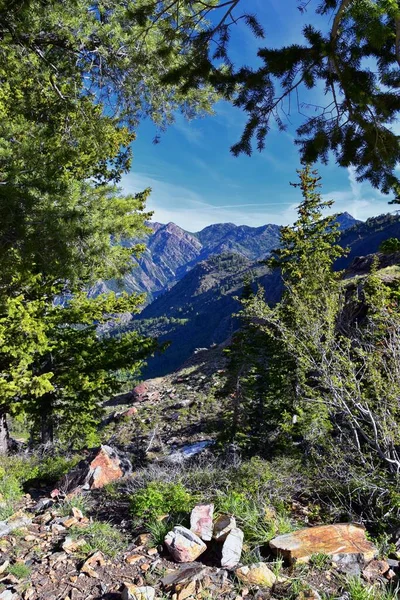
pixel 186 545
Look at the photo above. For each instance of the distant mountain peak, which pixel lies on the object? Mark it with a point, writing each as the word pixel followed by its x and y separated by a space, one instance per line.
pixel 171 251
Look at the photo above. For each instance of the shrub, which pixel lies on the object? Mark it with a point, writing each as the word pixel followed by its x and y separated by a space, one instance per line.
pixel 252 517
pixel 159 529
pixel 320 561
pixel 52 468
pixel 390 245
pixel 159 498
pixel 79 501
pixel 10 492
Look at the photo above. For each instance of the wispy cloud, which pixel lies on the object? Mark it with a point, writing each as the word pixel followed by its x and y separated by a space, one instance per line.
pixel 186 208
pixel 190 210
pixel 359 199
pixel 189 130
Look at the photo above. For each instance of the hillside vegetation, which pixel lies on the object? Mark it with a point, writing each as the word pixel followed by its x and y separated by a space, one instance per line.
pixel 267 466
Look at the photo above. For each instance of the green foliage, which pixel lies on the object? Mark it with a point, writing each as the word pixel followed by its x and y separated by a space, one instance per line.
pixel 390 245
pixel 359 590
pixel 318 371
pixel 51 468
pixel 320 561
pixel 258 522
pixel 10 492
pixel 158 529
pixel 100 536
pixel 16 471
pixel 67 119
pixel 354 121
pixel 79 501
pixel 271 370
pixel 19 570
pixel 158 499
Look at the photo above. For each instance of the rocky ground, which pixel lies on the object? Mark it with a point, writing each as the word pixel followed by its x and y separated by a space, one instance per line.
pixel 51 550
pixel 79 539
pixel 167 415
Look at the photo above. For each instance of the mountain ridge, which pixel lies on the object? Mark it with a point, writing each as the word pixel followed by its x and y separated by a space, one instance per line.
pixel 171 252
pixel 199 309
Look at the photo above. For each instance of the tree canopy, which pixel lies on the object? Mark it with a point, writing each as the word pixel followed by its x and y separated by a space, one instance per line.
pixel 353 60
pixel 76 79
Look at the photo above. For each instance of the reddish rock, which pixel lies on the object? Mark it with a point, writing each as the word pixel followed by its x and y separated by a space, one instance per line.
pixel 375 569
pixel 338 539
pixel 140 392
pixel 125 414
pixel 101 467
pixel 184 545
pixel 201 521
pixel 130 412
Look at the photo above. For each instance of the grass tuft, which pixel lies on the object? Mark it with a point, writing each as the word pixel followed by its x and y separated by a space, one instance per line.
pixel 19 570
pixel 100 536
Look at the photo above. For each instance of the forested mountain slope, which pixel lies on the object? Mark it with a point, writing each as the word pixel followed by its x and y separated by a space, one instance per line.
pixel 366 237
pixel 198 310
pixel 171 252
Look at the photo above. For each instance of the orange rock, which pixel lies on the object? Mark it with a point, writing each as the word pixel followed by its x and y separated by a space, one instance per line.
pixel 102 466
pixel 105 469
pixel 69 522
pixel 133 558
pixel 343 538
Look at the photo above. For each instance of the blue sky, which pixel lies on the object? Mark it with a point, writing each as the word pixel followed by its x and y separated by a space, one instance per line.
pixel 196 181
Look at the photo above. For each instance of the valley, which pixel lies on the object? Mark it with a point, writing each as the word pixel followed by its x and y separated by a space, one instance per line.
pixel 198 309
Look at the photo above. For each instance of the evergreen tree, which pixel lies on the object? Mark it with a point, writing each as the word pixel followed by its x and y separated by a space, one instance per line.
pixel 337 378
pixel 304 320
pixel 353 58
pixel 76 78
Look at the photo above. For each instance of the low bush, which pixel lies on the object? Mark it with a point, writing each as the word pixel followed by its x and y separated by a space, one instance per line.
pixel 157 499
pixel 19 570
pixel 10 492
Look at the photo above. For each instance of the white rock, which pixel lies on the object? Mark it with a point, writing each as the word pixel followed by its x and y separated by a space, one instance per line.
pixel 7 595
pixel 232 549
pixel 134 592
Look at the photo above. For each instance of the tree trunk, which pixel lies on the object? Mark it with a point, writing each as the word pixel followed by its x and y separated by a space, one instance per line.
pixel 4 433
pixel 45 420
pixel 47 430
